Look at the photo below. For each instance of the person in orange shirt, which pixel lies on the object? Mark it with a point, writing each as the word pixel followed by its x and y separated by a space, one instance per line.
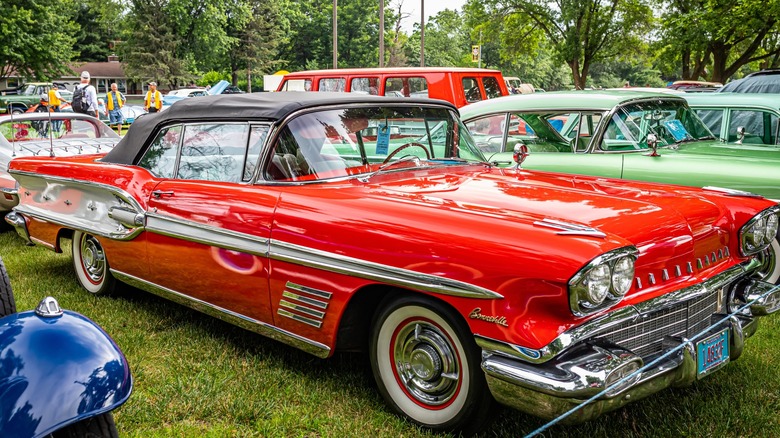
pixel 55 102
pixel 153 100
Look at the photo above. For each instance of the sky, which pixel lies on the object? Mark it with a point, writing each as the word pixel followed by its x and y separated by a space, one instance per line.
pixel 432 7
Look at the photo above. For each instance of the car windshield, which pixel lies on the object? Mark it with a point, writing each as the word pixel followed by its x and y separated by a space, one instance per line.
pixel 670 120
pixel 353 141
pixel 29 90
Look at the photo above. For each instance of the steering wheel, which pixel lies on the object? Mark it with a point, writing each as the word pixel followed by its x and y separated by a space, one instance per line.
pixel 419 145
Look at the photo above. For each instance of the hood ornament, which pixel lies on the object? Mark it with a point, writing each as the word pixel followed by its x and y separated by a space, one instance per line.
pixel 569 228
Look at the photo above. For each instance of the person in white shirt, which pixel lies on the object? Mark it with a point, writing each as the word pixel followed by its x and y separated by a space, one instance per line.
pixel 90 94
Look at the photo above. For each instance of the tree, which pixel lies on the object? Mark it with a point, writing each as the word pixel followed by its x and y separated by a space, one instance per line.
pixel 99 26
pixel 256 39
pixel 581 32
pixel 447 41
pixel 152 49
pixel 36 37
pixel 713 39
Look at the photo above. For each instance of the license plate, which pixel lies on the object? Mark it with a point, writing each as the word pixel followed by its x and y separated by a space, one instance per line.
pixel 712 353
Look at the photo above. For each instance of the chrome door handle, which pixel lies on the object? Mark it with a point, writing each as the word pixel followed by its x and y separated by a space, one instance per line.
pixel 160 193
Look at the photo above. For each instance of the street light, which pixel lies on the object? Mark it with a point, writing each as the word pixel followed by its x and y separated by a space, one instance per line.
pixel 422 33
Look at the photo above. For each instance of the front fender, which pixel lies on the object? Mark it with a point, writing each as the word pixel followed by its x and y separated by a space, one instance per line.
pixel 55 371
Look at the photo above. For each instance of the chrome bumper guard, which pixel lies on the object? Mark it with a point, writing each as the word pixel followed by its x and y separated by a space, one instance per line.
pixel 609 376
pixel 19 223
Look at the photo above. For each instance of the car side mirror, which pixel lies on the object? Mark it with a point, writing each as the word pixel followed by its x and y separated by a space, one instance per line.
pixel 652 143
pixel 741 134
pixel 519 154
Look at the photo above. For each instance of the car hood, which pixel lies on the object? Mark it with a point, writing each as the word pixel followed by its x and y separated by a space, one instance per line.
pixel 670 225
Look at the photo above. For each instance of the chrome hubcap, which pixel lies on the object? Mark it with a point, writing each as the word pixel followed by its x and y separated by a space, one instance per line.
pixel 426 363
pixel 93 258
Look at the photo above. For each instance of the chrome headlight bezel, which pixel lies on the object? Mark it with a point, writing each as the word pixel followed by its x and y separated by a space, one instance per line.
pixel 583 300
pixel 757 234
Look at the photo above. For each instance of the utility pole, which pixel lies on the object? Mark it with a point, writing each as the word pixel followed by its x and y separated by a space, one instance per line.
pixel 335 36
pixel 381 33
pixel 480 49
pixel 422 33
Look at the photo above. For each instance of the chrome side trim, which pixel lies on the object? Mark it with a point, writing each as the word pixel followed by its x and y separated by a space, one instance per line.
pixel 570 228
pixel 374 271
pixel 612 319
pixel 296 305
pixel 312 347
pixel 205 234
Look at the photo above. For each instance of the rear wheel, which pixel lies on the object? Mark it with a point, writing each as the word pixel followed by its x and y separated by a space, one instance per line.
pixel 91 265
pixel 427 365
pixel 7 302
pixel 102 426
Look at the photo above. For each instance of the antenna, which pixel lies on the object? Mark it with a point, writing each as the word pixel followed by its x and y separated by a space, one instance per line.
pixel 51 133
pixel 13 131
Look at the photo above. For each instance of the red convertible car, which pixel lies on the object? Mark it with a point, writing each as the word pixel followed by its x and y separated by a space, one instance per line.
pixel 331 221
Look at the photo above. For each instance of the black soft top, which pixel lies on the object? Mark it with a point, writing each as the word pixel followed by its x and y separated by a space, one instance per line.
pixel 241 107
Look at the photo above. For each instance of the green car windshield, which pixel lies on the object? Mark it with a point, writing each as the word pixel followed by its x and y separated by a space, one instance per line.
pixel 672 122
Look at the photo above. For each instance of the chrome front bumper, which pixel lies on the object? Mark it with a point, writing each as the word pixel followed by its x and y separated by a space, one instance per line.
pixel 592 367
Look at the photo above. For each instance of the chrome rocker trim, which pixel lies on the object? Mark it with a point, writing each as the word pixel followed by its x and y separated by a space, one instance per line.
pixel 270 331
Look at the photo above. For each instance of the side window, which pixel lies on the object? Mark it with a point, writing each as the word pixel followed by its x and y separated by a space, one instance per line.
pixel 712 118
pixel 160 158
pixel 297 85
pixel 471 90
pixel 332 84
pixel 364 86
pixel 492 89
pixel 257 137
pixel 213 152
pixel 406 87
pixel 760 127
pixel 488 132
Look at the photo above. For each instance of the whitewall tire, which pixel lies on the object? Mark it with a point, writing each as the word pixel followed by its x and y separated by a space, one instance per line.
pixel 91 265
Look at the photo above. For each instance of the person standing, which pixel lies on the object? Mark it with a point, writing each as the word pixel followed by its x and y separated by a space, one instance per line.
pixel 115 100
pixel 55 101
pixel 153 100
pixel 90 103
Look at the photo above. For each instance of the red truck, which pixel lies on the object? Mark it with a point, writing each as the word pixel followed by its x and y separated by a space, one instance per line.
pixel 460 86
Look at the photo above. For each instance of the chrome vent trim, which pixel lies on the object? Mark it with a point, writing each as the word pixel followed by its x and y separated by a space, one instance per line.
pixel 304 304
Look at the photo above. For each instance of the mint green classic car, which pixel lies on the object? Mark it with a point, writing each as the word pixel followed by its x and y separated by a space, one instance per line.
pixel 725 113
pixel 629 135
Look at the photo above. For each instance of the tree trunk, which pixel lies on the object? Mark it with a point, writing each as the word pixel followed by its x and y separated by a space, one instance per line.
pixel 686 64
pixel 719 57
pixel 577 78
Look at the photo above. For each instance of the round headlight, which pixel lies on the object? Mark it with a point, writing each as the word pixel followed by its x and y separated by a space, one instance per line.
pixel 772 223
pixel 755 236
pixel 598 283
pixel 622 276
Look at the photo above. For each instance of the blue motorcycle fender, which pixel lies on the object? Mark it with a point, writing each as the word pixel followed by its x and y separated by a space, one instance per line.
pixel 56 371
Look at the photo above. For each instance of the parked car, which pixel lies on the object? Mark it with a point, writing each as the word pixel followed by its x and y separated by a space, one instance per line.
pixel 174 96
pixel 324 221
pixel 606 134
pixel 725 113
pixel 60 373
pixel 29 96
pixel 232 89
pixel 695 86
pixel 459 86
pixel 764 81
pixel 51 134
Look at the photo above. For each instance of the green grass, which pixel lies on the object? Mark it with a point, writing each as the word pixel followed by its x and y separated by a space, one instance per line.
pixel 197 376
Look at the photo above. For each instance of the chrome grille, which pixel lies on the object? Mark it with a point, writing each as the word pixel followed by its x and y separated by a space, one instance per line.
pixel 644 336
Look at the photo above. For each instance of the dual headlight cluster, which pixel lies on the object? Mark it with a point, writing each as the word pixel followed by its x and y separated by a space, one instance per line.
pixel 760 231
pixel 603 282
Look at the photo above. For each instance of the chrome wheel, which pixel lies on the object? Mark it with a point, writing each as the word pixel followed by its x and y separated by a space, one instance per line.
pixel 91 264
pixel 426 363
pixel 427 366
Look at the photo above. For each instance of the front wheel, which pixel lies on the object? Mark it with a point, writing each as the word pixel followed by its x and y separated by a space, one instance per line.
pixel 770 263
pixel 427 365
pixel 102 426
pixel 91 265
